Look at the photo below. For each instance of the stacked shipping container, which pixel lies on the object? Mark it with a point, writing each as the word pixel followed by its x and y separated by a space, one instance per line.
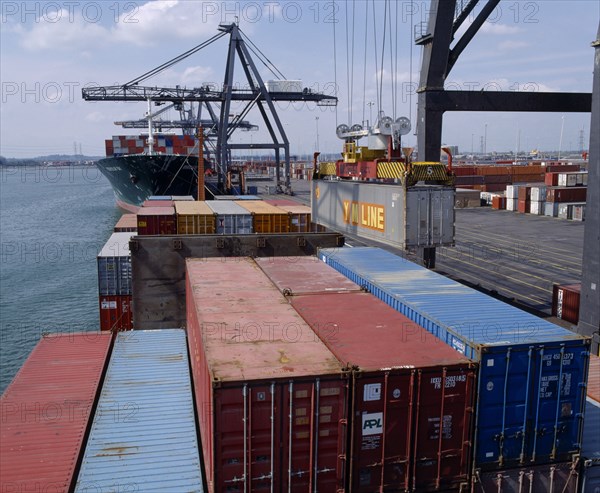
pixel 411 395
pixel 194 218
pixel 46 412
pixel 232 219
pixel 532 373
pixel 271 398
pixel 143 436
pixel 590 450
pixel 267 218
pixel 165 144
pixel 114 283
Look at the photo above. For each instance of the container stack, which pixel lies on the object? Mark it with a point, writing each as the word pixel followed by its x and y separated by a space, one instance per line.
pixel 231 218
pixel 126 224
pixel 114 283
pixel 157 220
pixel 46 412
pixel 412 396
pixel 590 451
pixel 121 145
pixel 143 436
pixel 271 398
pixel 532 374
pixel 194 218
pixel 267 218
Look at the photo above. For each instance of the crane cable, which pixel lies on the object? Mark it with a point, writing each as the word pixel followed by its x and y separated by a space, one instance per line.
pixel 335 64
pixel 364 101
pixel 382 54
pixel 173 61
pixel 262 57
pixel 376 67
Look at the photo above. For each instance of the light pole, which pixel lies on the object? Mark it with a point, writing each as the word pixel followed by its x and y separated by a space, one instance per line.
pixel 485 140
pixel 370 105
pixel 317 124
pixel 562 126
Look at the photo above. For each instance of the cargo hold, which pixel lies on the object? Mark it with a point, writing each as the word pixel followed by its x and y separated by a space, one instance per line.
pixel 532 373
pixel 46 412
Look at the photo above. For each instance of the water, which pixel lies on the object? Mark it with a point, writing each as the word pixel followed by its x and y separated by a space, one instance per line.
pixel 53 223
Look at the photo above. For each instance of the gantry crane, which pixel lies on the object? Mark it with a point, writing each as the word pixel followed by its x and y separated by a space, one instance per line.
pixel 255 94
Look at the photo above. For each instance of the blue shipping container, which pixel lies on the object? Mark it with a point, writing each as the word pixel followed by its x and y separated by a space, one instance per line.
pixel 590 451
pixel 143 436
pixel 114 266
pixel 529 405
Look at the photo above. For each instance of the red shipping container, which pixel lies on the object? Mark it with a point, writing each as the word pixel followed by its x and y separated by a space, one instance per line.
pixel 566 194
pixel 551 179
pixel 524 206
pixel 46 411
pixel 116 313
pixel 464 170
pixel 156 221
pixel 271 398
pixel 562 168
pixel 565 301
pixel 593 387
pixel 127 224
pixel 494 187
pixel 305 275
pixel 413 395
pixel 399 370
pixel 524 193
pixel 158 203
pixel 498 202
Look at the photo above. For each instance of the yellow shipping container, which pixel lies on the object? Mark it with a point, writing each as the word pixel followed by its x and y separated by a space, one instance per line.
pixel 266 218
pixel 194 218
pixel 300 218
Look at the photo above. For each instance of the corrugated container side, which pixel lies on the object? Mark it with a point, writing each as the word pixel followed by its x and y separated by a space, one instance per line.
pixel 532 373
pixel 116 313
pixel 305 275
pixel 157 221
pixel 593 388
pixel 231 217
pixel 194 218
pixel 143 436
pixel 114 266
pixel 565 301
pixel 271 398
pixel 561 477
pixel 300 217
pixel 46 411
pixel 551 209
pixel 566 194
pixel 266 218
pixel 126 224
pixel 413 396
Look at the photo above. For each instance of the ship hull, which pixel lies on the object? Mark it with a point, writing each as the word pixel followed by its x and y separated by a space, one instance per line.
pixel 136 177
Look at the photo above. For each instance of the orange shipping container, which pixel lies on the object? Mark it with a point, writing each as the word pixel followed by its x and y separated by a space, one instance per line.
pixel 266 218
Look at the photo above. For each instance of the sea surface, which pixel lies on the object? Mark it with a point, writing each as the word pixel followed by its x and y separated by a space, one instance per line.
pixel 53 223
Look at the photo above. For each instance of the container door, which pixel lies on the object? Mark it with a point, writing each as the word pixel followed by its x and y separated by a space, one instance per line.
pixel 381 432
pixel 557 413
pixel 246 451
pixel 505 390
pixel 442 444
pixel 314 436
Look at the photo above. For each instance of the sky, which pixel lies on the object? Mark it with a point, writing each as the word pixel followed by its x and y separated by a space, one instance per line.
pixel 49 51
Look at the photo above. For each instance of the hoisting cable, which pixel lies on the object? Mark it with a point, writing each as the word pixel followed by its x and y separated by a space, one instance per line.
pixel 173 61
pixel 364 100
pixel 348 69
pixel 352 62
pixel 383 53
pixel 410 70
pixel 376 67
pixel 335 63
pixel 262 57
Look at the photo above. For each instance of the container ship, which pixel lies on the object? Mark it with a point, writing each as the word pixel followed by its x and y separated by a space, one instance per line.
pixel 136 174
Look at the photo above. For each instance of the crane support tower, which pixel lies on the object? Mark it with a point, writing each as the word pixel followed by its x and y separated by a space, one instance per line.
pixel 255 94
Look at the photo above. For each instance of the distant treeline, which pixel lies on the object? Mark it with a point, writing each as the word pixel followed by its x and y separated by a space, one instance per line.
pixel 55 158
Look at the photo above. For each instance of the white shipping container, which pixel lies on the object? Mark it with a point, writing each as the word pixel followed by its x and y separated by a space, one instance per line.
pixel 284 85
pixel 512 204
pixel 537 207
pixel 551 209
pixel 563 211
pixel 538 194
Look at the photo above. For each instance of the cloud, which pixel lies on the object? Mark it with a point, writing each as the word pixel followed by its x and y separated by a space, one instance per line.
pixel 512 45
pixel 150 24
pixel 496 28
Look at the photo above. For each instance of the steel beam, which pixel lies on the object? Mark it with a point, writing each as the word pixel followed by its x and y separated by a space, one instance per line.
pixel 589 308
